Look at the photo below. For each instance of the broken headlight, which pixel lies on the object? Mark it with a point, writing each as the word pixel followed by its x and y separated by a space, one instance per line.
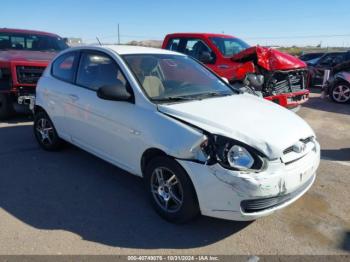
pixel 232 154
pixel 239 157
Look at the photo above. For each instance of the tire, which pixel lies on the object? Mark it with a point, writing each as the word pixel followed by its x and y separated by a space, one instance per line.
pixel 340 93
pixel 6 107
pixel 45 132
pixel 175 200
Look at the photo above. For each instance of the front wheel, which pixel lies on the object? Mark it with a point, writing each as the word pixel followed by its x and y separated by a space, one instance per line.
pixel 170 190
pixel 45 132
pixel 340 93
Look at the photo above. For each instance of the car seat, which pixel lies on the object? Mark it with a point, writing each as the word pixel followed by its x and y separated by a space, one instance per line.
pixel 152 84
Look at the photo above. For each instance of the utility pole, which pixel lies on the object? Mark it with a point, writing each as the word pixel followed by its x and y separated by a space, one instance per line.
pixel 118 35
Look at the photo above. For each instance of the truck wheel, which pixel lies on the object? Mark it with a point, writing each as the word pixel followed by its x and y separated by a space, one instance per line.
pixel 6 107
pixel 170 190
pixel 45 132
pixel 340 93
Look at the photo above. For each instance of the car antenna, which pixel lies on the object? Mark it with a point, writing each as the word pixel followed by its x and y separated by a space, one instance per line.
pixel 98 40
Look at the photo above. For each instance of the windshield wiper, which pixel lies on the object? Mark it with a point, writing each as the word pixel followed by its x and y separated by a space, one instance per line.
pixel 172 99
pixel 190 97
pixel 214 94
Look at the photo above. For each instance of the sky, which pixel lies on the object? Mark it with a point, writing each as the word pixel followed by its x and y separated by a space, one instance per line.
pixel 264 22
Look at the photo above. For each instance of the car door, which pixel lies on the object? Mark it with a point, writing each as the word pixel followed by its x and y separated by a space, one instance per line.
pixel 224 66
pixel 103 127
pixel 57 91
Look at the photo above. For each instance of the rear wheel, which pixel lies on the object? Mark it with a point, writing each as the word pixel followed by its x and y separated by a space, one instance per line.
pixel 170 190
pixel 6 107
pixel 340 93
pixel 45 132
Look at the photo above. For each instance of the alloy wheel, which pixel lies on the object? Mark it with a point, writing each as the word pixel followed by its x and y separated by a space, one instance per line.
pixel 45 131
pixel 341 93
pixel 166 189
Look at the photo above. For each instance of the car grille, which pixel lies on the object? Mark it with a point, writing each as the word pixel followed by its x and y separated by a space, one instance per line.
pixel 256 205
pixel 305 141
pixel 282 82
pixel 29 74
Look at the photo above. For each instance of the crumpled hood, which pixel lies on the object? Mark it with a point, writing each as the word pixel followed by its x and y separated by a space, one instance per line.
pixel 269 58
pixel 30 56
pixel 261 124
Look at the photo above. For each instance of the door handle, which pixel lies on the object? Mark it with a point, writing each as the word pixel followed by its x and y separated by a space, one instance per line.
pixel 73 97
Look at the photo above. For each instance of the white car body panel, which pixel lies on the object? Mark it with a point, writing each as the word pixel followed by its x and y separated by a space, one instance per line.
pixel 228 116
pixel 120 132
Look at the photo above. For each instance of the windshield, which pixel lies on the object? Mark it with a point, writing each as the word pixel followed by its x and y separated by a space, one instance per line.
pixel 31 42
pixel 173 78
pixel 229 46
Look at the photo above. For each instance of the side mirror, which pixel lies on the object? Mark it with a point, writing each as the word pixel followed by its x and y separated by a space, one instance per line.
pixel 117 92
pixel 206 57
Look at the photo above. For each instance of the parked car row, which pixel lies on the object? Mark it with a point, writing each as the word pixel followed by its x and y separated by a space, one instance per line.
pixel 278 77
pixel 265 72
pixel 181 117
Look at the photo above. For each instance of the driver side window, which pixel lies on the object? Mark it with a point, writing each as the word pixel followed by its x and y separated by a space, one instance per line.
pixel 97 69
pixel 196 47
pixel 199 50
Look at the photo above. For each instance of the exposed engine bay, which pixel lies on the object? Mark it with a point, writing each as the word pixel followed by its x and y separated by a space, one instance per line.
pixel 276 82
pixel 269 72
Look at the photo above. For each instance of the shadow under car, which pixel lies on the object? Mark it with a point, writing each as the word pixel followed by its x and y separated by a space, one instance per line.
pixel 74 191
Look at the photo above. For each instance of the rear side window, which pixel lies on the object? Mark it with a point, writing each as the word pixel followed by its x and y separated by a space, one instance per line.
pixel 173 44
pixel 63 67
pixel 97 69
pixel 192 47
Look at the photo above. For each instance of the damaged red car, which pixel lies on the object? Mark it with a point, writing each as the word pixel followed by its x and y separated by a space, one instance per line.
pixel 275 75
pixel 24 55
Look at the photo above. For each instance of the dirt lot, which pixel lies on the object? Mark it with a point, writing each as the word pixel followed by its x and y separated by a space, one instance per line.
pixel 70 202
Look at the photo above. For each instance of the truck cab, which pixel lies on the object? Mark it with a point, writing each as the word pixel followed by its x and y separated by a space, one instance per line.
pixel 24 55
pixel 277 76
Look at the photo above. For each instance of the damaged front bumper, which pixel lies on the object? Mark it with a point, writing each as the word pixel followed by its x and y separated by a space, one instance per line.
pixel 290 100
pixel 245 196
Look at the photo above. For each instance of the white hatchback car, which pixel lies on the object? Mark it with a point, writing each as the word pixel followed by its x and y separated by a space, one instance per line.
pixel 201 146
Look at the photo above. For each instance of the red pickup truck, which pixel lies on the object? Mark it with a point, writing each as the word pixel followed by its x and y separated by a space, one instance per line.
pixel 277 76
pixel 24 55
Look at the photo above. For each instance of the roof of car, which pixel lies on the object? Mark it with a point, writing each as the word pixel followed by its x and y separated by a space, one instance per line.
pixel 129 49
pixel 200 35
pixel 25 31
pixel 336 52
